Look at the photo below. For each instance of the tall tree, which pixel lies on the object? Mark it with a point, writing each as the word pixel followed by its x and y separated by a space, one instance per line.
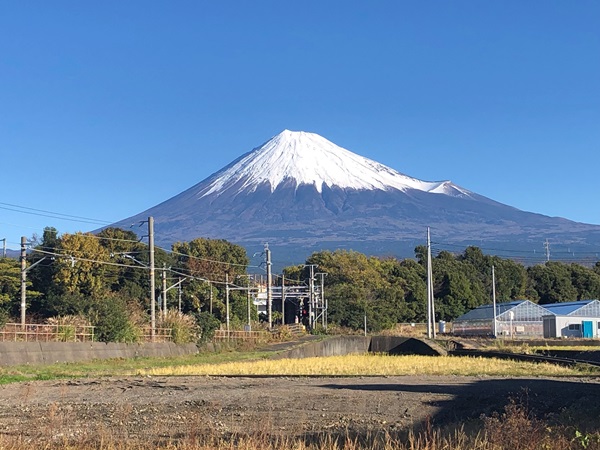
pixel 81 266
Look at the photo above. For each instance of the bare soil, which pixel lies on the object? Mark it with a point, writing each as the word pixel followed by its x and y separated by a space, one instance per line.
pixel 162 409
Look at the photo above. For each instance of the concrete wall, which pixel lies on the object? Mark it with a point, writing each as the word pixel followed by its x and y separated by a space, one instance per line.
pixel 15 353
pixel 333 346
pixel 396 345
pixel 344 345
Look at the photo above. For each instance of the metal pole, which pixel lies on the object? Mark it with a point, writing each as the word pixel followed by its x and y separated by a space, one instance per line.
pixel 4 248
pixel 323 308
pixel 248 299
pixel 429 302
pixel 179 294
pixel 164 290
pixel 282 299
pixel 23 280
pixel 495 330
pixel 227 301
pixel 269 282
pixel 311 301
pixel 152 287
pixel 211 295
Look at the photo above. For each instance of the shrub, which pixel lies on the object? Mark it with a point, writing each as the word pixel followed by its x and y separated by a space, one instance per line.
pixel 4 316
pixel 110 316
pixel 184 328
pixel 67 326
pixel 207 325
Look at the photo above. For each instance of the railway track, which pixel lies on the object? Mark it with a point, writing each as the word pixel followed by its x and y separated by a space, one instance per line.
pixel 565 361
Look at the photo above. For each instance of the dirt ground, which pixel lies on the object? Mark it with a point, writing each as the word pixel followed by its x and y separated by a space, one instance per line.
pixel 159 409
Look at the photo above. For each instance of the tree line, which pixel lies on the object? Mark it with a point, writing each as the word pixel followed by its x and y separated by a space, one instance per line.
pixel 103 279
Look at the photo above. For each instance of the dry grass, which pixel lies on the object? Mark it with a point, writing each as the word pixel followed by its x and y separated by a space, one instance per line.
pixel 380 365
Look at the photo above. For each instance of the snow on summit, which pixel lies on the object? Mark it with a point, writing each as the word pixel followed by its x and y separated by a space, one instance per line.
pixel 308 158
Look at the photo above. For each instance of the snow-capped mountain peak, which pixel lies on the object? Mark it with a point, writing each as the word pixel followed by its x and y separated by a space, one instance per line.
pixel 307 158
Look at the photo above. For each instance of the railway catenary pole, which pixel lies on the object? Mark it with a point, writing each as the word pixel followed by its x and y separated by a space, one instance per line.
pixel 495 328
pixel 269 283
pixel 152 286
pixel 282 299
pixel 23 279
pixel 227 301
pixel 164 290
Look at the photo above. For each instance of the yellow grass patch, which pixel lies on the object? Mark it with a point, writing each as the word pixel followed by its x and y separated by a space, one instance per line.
pixel 383 365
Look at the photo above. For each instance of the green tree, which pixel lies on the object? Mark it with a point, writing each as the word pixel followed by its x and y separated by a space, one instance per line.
pixel 585 281
pixel 81 266
pixel 10 288
pixel 552 282
pixel 210 259
pixel 109 315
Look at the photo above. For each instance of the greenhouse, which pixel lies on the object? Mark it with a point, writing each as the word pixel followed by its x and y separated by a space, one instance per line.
pixel 519 318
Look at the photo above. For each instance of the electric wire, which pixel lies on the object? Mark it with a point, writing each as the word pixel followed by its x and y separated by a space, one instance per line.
pixel 51 214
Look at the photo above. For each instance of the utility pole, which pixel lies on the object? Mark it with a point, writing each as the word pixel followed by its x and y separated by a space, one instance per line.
pixel 211 296
pixel 248 303
pixel 179 294
pixel 547 247
pixel 282 299
pixel 430 300
pixel 23 280
pixel 164 290
pixel 152 287
pixel 24 270
pixel 4 247
pixel 495 330
pixel 227 301
pixel 269 282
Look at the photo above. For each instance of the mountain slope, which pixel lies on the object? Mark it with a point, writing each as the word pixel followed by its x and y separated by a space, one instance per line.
pixel 302 193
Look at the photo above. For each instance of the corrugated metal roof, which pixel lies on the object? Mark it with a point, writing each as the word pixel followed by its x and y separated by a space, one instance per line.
pixel 567 308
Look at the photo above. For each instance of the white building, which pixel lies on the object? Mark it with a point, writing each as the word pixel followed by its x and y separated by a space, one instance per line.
pixel 579 319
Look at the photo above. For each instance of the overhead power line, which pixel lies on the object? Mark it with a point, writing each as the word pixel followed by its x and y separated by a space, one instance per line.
pixel 51 214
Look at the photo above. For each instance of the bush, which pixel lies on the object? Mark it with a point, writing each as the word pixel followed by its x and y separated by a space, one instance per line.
pixel 4 316
pixel 184 328
pixel 110 316
pixel 207 325
pixel 67 326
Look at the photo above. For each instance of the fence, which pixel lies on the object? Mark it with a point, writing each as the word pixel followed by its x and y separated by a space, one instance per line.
pixel 46 333
pixel 160 335
pixel 254 336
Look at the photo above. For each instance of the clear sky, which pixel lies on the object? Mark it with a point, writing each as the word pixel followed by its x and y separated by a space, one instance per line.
pixel 108 108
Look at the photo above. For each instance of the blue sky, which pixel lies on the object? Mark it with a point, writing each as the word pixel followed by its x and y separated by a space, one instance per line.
pixel 108 108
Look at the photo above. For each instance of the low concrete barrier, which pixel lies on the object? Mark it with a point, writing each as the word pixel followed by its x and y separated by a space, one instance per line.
pixel 16 353
pixel 332 346
pixel 396 345
pixel 344 345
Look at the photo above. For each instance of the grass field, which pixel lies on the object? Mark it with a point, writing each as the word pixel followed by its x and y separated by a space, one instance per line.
pixel 255 363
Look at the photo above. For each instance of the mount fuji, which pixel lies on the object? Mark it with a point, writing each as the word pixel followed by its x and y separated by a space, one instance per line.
pixel 302 193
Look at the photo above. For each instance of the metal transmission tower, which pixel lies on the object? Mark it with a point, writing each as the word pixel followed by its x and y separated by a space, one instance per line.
pixel 547 247
pixel 312 307
pixel 322 303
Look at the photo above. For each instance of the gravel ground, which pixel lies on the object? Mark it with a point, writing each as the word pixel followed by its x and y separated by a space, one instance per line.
pixel 159 409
